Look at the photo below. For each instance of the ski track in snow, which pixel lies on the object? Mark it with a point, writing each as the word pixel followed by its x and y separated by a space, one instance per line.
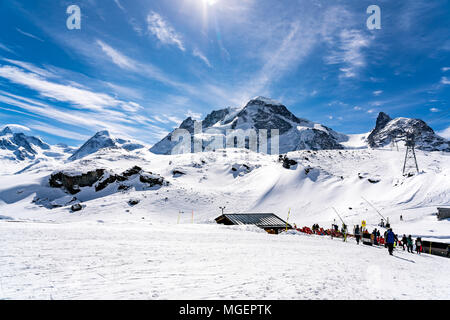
pixel 130 260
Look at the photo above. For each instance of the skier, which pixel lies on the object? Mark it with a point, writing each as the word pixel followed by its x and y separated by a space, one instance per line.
pixel 418 245
pixel 404 242
pixel 357 234
pixel 344 231
pixel 410 244
pixel 390 239
pixel 401 217
pixel 375 237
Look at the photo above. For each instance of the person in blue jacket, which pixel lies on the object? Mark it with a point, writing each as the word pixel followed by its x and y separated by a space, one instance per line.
pixel 390 239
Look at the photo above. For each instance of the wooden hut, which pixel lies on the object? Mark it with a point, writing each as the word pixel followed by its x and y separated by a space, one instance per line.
pixel 267 221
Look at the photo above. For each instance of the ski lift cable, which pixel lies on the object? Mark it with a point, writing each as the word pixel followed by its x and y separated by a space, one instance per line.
pixel 373 207
pixel 338 215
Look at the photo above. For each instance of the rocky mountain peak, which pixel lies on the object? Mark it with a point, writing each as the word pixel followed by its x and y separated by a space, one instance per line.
pixel 102 140
pixel 5 131
pixel 382 120
pixel 261 113
pixel 388 130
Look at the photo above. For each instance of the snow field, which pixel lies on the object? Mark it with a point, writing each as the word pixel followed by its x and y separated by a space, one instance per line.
pixel 144 260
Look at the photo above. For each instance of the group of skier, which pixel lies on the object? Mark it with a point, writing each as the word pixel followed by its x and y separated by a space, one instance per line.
pixel 390 238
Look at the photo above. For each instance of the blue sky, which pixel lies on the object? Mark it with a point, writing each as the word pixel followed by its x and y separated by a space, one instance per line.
pixel 139 67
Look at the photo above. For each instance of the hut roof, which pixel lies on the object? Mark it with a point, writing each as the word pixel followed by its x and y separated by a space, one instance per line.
pixel 262 220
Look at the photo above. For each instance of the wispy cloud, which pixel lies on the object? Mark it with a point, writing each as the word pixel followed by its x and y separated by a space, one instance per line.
pixel 378 92
pixel 161 29
pixel 65 93
pixel 14 127
pixel 434 110
pixel 5 48
pixel 119 5
pixel 58 132
pixel 350 52
pixel 445 80
pixel 29 35
pixel 117 57
pixel 197 53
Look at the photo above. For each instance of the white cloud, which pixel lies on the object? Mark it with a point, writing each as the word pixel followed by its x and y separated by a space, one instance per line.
pixel 197 53
pixel 378 92
pixel 5 48
pixel 371 111
pixel 349 52
pixel 30 67
pixel 82 98
pixel 357 108
pixel 163 30
pixel 193 115
pixel 434 110
pixel 445 80
pixel 15 127
pixel 445 69
pixel 119 5
pixel 117 57
pixel 29 35
pixel 40 126
pixel 83 119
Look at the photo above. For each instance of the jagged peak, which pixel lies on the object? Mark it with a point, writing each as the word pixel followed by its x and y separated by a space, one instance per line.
pixel 6 130
pixel 264 100
pixel 102 133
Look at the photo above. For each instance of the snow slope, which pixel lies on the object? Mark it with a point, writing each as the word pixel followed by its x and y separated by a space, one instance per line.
pixel 244 181
pixel 144 260
pixel 166 245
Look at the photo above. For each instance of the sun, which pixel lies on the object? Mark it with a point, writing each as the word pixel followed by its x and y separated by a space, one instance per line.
pixel 210 2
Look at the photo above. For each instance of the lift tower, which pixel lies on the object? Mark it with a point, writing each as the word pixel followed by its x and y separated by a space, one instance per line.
pixel 410 166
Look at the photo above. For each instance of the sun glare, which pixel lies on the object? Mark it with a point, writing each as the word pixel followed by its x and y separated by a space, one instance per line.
pixel 210 2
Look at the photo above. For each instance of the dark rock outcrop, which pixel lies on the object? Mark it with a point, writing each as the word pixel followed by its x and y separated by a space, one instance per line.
pixel 101 179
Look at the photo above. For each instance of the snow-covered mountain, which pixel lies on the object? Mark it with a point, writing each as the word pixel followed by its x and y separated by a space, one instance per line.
pixel 387 130
pixel 19 151
pixel 261 113
pixel 20 146
pixel 103 140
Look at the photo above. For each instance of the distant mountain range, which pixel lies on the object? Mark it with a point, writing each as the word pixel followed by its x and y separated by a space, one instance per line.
pixel 259 113
pixel 301 134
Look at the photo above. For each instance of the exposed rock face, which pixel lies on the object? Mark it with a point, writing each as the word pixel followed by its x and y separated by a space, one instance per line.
pixel 99 179
pixel 388 129
pixel 259 114
pixel 73 182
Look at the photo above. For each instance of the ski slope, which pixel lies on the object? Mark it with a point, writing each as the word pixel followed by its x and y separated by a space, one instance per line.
pixel 244 181
pixel 145 260
pixel 169 247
